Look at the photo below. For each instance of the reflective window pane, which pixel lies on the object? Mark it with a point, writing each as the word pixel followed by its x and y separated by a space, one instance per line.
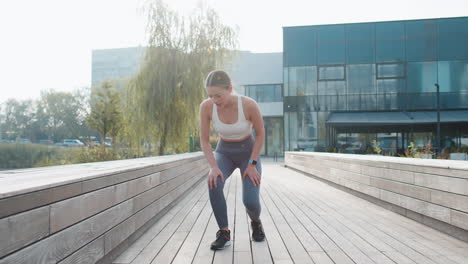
pixel 390 41
pixel 453 39
pixel 332 88
pixel 360 42
pixel 301 44
pixel 390 86
pixel 331 44
pixel 286 81
pixel 421 77
pixel 311 80
pixel 297 80
pixel 421 40
pixel 265 93
pixel 361 102
pixel 453 76
pixel 361 78
pixel 331 73
pixel 390 70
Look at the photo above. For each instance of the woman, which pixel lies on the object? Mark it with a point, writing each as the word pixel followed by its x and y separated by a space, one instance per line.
pixel 233 117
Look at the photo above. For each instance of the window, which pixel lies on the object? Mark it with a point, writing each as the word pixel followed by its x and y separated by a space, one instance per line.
pixel 361 78
pixel 265 93
pixel 302 81
pixel 331 73
pixel 390 70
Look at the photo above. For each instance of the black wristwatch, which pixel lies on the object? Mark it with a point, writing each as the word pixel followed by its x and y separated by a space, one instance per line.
pixel 253 162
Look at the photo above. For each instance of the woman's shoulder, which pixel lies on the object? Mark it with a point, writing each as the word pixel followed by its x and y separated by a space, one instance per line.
pixel 248 102
pixel 206 105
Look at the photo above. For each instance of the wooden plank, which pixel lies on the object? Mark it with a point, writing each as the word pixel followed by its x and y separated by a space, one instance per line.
pixel 152 249
pixel 189 248
pixel 226 255
pixel 242 247
pixel 170 249
pixel 312 193
pixel 345 245
pixel 132 252
pixel 20 230
pixel 89 254
pixel 55 248
pixel 278 250
pixel 260 250
pixel 367 248
pixel 295 248
pixel 24 202
pixel 415 255
pixel 204 254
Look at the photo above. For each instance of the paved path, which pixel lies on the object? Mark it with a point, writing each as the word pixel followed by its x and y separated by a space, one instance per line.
pixel 305 221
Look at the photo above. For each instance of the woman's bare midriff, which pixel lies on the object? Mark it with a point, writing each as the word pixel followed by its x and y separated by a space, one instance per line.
pixel 235 140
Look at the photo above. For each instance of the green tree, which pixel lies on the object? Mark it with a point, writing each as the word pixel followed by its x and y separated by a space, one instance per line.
pixel 162 100
pixel 61 114
pixel 18 117
pixel 106 114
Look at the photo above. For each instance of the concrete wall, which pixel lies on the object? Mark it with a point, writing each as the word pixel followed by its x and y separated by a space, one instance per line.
pixel 434 192
pixel 82 213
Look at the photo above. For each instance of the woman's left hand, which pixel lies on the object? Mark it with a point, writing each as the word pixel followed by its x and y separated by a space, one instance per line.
pixel 253 174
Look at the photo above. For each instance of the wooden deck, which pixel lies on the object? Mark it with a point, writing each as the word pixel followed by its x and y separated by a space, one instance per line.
pixel 305 221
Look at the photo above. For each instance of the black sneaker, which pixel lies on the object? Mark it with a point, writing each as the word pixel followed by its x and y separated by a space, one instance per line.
pixel 223 239
pixel 257 231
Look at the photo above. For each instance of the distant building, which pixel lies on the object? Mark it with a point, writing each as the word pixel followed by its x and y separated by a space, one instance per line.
pixel 346 85
pixel 115 64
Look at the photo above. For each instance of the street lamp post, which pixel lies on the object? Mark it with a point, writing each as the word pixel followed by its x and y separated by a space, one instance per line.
pixel 438 118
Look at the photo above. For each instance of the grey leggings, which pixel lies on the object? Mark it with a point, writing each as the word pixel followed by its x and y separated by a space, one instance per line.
pixel 229 156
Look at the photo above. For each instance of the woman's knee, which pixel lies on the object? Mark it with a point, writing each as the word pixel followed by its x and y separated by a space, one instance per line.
pixel 219 187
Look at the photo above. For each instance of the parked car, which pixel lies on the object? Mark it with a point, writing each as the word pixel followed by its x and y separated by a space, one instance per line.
pixel 46 142
pixel 23 141
pixel 72 143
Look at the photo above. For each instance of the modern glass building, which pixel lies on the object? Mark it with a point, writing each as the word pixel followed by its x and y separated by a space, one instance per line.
pixel 346 85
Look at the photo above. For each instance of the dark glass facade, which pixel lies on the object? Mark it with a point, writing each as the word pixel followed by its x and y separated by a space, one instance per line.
pixel 373 67
pixel 265 93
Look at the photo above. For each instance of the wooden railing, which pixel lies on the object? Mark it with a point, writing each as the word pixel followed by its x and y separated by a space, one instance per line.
pixel 88 212
pixel 434 192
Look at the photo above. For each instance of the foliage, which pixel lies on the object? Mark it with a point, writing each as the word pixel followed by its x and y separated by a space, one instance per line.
pixel 106 115
pixel 411 151
pixel 17 119
pixel 332 149
pixel 162 100
pixel 16 156
pixel 62 114
pixel 376 146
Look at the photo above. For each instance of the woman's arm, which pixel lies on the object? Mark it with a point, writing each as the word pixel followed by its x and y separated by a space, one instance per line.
pixel 205 134
pixel 257 122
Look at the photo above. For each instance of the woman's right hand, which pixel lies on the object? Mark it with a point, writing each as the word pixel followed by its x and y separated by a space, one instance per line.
pixel 212 177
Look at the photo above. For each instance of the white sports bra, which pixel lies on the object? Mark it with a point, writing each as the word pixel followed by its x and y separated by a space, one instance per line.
pixel 239 130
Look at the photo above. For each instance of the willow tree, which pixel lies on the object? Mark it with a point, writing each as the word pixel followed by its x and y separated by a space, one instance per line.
pixel 163 99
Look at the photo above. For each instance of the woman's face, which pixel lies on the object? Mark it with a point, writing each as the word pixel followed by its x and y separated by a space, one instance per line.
pixel 219 95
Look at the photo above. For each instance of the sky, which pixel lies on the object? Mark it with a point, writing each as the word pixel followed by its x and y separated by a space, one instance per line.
pixel 47 44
